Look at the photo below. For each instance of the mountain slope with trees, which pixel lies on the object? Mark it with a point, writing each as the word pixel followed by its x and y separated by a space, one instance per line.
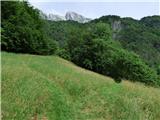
pixel 141 37
pixel 92 46
pixel 120 48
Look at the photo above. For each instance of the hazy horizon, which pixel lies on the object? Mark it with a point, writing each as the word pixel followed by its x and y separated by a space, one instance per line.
pixel 93 10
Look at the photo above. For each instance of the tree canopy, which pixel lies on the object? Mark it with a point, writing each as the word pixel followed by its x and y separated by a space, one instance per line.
pixel 23 30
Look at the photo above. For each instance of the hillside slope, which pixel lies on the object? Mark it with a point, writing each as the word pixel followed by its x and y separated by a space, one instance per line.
pixel 140 36
pixel 50 88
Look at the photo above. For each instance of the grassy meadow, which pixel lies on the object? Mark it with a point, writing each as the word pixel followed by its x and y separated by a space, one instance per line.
pixel 51 88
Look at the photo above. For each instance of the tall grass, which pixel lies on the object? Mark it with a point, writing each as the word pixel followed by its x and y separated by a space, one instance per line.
pixel 50 88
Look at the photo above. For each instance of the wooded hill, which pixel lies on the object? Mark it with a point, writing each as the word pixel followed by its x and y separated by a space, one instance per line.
pixel 122 48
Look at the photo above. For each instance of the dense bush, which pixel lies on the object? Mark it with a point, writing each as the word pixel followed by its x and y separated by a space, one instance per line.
pixel 100 53
pixel 104 57
pixel 23 30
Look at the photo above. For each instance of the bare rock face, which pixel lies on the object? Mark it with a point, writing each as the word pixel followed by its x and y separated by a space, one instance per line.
pixel 76 17
pixel 68 16
pixel 116 25
pixel 55 17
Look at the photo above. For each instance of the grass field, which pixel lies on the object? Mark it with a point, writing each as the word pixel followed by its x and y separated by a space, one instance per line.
pixel 50 88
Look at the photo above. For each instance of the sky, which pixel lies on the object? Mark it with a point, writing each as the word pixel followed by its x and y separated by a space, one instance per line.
pixel 97 8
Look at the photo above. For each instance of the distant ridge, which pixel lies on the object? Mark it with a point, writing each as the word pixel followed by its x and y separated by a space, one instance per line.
pixel 68 16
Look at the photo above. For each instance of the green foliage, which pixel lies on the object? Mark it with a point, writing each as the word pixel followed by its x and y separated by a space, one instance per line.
pixel 23 30
pixel 158 69
pixel 63 53
pixel 103 57
pixel 142 40
pixel 151 21
pixel 88 45
pixel 91 46
pixel 140 36
pixel 102 30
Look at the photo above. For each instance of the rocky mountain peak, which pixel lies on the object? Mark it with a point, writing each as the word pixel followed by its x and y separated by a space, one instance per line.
pixel 68 16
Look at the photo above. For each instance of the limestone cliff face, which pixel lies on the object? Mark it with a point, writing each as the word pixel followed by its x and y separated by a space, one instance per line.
pixel 55 17
pixel 68 16
pixel 116 27
pixel 76 17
